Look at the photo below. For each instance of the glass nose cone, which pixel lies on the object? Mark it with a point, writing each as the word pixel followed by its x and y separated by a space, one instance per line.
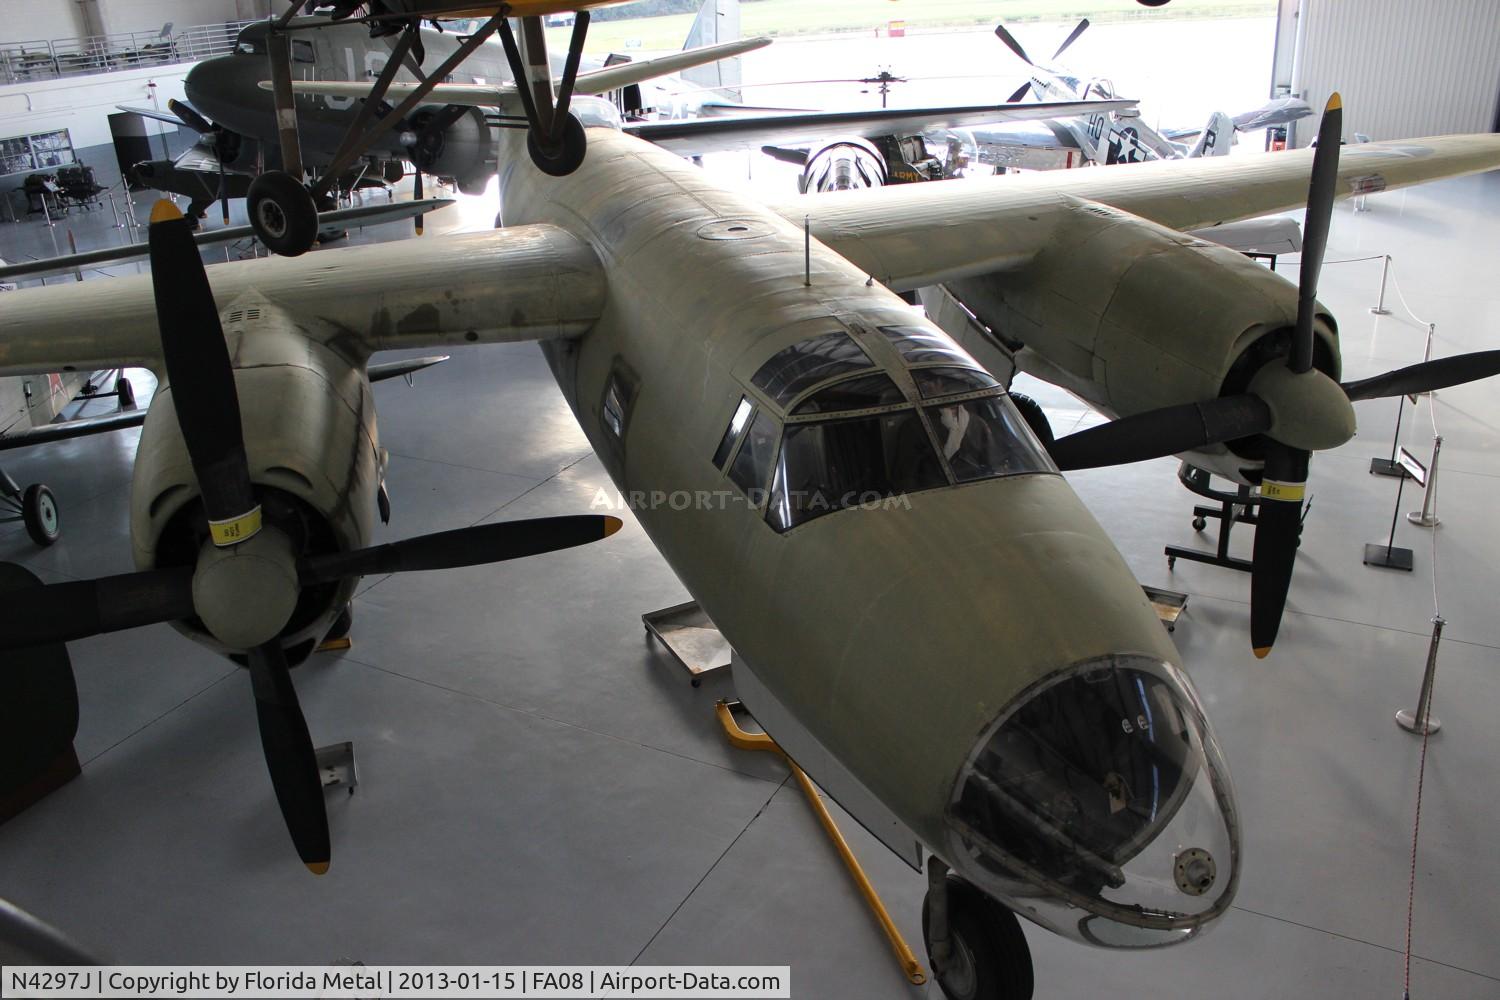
pixel 1099 806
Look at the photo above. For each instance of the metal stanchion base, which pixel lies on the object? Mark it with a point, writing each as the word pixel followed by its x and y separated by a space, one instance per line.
pixel 1379 312
pixel 1385 467
pixel 1387 556
pixel 1408 721
pixel 1424 520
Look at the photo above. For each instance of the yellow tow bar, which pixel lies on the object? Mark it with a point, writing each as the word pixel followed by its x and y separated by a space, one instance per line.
pixel 760 741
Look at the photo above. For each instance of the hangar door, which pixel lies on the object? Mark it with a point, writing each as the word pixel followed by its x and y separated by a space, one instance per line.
pixel 1405 68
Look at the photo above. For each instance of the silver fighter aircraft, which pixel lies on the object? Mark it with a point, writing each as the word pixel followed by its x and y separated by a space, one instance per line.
pixel 1053 765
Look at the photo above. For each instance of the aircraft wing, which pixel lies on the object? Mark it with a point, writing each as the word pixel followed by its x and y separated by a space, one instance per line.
pixel 157 113
pixel 694 136
pixel 365 215
pixel 492 95
pixel 199 160
pixel 525 283
pixel 62 430
pixel 912 235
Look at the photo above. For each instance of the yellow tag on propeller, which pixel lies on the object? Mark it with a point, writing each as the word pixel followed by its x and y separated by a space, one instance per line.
pixel 234 530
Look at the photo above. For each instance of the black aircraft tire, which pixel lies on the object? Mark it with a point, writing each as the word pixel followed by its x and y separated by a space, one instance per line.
pixel 1036 418
pixel 39 513
pixel 282 213
pixel 990 959
pixel 341 625
pixel 569 154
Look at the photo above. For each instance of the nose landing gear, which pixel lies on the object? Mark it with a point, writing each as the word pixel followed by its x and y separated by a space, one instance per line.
pixel 975 946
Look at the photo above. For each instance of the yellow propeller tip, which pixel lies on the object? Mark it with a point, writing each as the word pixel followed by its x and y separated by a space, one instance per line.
pixel 317 867
pixel 164 211
pixel 1335 102
pixel 1261 652
pixel 612 525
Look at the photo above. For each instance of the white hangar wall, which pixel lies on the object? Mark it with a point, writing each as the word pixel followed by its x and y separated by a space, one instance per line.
pixel 44 20
pixel 1404 67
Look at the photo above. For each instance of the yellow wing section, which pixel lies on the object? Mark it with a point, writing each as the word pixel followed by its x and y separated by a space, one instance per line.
pixel 525 283
pixel 922 234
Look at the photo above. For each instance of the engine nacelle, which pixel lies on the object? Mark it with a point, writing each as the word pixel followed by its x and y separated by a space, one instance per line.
pixel 845 165
pixel 1132 316
pixel 466 150
pixel 309 427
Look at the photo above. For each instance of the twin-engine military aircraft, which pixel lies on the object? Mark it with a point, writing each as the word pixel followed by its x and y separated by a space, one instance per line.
pixel 1060 767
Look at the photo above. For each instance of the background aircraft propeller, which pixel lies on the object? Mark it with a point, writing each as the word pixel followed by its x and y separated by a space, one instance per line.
pixel 193 120
pixel 1171 430
pixel 1002 33
pixel 201 387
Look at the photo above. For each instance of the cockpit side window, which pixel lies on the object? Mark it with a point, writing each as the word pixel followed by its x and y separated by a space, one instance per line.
pixel 753 462
pixel 833 464
pixel 732 433
pixel 795 369
pixel 302 51
pixel 986 437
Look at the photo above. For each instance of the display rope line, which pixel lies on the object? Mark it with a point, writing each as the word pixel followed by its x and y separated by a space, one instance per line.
pixel 1411 885
pixel 1409 311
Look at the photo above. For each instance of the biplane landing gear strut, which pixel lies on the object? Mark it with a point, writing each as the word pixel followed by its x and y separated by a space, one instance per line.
pixel 975 945
pixel 283 210
pixel 554 138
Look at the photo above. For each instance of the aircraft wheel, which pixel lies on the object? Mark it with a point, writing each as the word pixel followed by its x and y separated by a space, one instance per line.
pixel 341 625
pixel 39 513
pixel 568 155
pixel 282 213
pixel 1199 524
pixel 1036 417
pixel 126 393
pixel 988 956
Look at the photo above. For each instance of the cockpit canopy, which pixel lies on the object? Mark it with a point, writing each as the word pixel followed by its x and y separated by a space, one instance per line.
pixel 853 417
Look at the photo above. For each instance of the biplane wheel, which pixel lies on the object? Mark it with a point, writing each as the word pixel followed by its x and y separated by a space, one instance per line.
pixel 282 213
pixel 39 512
pixel 988 956
pixel 1199 523
pixel 568 155
pixel 126 393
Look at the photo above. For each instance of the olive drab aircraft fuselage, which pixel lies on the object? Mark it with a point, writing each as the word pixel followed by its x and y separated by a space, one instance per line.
pixel 879 630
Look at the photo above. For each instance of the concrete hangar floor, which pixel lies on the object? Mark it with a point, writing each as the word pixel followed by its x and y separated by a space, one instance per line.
pixel 539 783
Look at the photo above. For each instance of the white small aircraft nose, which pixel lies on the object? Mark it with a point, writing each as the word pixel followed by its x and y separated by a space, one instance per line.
pixel 1098 805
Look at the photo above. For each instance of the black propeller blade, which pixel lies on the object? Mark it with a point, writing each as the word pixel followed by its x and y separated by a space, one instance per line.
pixel 1020 93
pixel 1285 476
pixel 201 377
pixel 1428 376
pixel 1083 26
pixel 416 194
pixel 484 543
pixel 1321 192
pixel 1010 40
pixel 193 120
pixel 290 757
pixel 1162 432
pixel 61 612
pixel 1278 527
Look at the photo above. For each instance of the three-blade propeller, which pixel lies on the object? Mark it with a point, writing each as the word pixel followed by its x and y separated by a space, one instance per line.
pixel 193 120
pixel 201 386
pixel 1189 426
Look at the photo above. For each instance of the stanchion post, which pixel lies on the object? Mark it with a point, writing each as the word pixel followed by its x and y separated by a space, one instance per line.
pixel 1427 516
pixel 1385 270
pixel 1422 720
pixel 1389 466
